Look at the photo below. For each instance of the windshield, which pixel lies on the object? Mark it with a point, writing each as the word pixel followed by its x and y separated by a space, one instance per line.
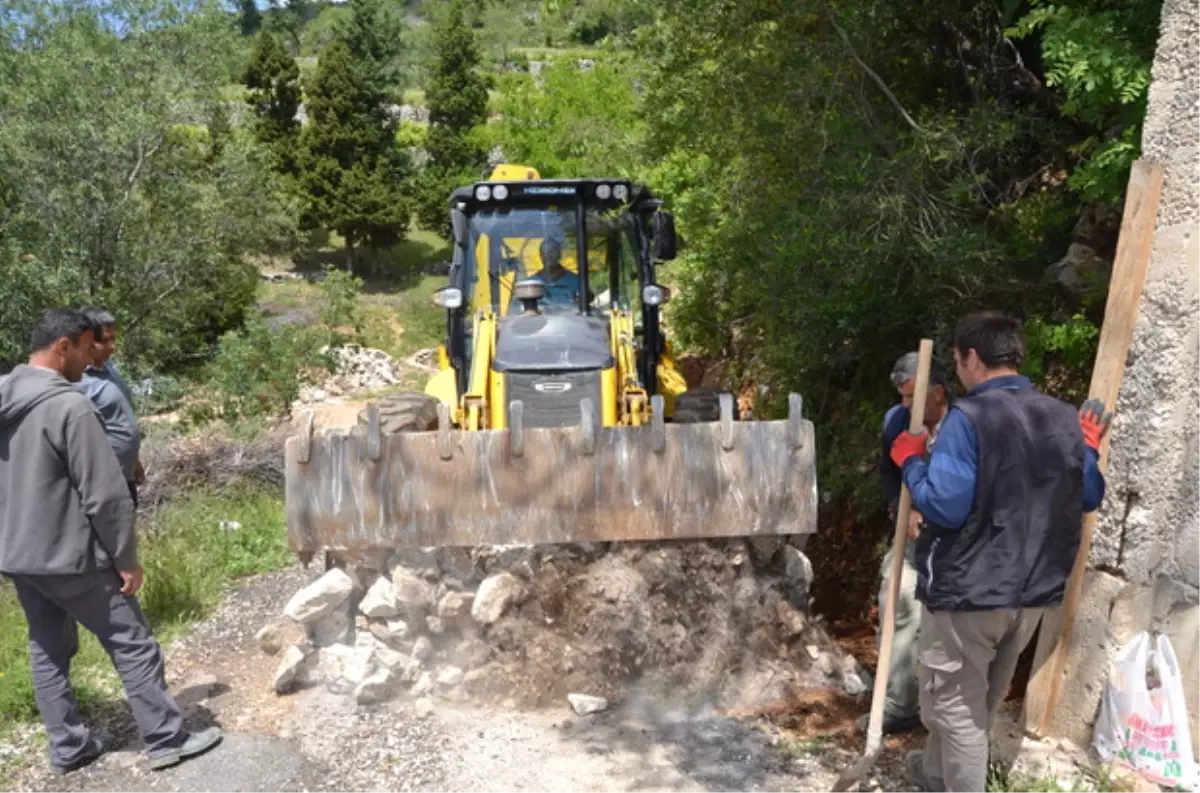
pixel 512 244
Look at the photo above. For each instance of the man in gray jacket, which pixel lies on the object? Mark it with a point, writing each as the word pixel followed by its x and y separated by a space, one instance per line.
pixel 113 398
pixel 67 542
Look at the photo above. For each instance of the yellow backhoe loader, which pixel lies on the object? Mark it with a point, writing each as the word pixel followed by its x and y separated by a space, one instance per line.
pixel 558 415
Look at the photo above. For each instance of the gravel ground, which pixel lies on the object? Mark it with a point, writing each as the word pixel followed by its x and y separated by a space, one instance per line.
pixel 315 740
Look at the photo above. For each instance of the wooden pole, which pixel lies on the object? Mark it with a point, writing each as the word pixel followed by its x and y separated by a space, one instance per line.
pixel 916 424
pixel 1120 318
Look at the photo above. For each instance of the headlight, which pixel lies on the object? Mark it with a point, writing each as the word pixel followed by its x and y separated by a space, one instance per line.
pixel 621 192
pixel 483 193
pixel 603 191
pixel 655 295
pixel 500 192
pixel 448 297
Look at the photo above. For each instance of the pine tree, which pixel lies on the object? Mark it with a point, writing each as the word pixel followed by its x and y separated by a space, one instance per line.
pixel 251 18
pixel 374 31
pixel 351 170
pixel 457 97
pixel 273 80
pixel 219 130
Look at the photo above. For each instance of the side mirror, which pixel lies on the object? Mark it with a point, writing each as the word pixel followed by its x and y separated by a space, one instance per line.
pixel 448 297
pixel 458 221
pixel 663 226
pixel 655 295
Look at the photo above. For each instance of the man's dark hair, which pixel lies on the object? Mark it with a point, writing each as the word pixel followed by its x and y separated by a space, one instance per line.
pixel 996 338
pixel 57 323
pixel 100 318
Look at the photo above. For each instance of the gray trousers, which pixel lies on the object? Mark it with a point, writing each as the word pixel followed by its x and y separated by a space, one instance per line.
pixel 53 605
pixel 903 700
pixel 967 660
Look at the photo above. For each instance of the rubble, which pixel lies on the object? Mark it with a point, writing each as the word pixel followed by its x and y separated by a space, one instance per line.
pixel 380 600
pixel 321 597
pixel 289 669
pixel 494 596
pixel 532 626
pixel 586 704
pixel 355 368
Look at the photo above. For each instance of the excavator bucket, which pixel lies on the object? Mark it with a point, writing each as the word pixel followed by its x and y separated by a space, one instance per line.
pixel 363 490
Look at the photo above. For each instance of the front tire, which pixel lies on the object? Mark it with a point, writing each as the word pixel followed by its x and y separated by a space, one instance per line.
pixel 700 406
pixel 406 411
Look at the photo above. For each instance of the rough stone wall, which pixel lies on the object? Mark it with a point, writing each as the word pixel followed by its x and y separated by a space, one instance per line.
pixel 1146 552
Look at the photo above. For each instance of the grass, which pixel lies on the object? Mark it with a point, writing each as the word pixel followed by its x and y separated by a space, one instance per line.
pixel 398 322
pixel 1103 781
pixel 397 314
pixel 189 562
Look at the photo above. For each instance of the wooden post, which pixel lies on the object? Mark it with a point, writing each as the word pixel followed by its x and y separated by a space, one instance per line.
pixel 1120 318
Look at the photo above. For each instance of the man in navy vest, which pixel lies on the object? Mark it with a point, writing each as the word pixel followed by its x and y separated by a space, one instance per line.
pixel 1003 495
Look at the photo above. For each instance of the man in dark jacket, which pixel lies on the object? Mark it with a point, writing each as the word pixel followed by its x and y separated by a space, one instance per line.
pixel 67 542
pixel 1003 495
pixel 902 712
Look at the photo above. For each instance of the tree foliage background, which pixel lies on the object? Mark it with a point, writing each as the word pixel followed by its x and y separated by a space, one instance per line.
pixel 110 192
pixel 847 177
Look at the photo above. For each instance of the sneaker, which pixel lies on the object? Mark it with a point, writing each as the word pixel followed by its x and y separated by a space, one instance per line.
pixel 196 743
pixel 97 745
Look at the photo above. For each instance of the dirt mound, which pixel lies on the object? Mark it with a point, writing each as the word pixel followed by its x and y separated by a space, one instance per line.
pixel 723 623
pixel 694 618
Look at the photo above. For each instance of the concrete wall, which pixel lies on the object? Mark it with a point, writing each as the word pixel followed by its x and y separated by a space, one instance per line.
pixel 1146 553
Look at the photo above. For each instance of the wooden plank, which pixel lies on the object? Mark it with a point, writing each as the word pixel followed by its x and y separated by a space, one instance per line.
pixel 1120 318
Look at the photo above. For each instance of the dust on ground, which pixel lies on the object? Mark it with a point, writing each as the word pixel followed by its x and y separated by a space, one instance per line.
pixel 315 740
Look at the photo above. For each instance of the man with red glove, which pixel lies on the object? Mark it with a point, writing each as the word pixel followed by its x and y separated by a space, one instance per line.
pixel 1003 495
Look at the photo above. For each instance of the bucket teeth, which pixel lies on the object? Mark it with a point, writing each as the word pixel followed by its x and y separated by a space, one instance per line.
pixel 374 433
pixel 516 428
pixel 587 417
pixel 796 420
pixel 726 403
pixel 658 425
pixel 445 445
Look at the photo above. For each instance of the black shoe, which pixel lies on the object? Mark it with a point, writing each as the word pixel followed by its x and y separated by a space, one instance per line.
pixel 97 745
pixel 891 724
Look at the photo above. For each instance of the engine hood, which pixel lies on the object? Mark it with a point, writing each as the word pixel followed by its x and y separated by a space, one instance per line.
pixel 552 342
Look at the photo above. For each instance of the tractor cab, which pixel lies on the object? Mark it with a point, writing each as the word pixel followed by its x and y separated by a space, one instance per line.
pixel 560 275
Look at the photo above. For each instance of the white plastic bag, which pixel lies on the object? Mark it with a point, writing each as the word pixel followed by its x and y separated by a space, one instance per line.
pixel 1143 722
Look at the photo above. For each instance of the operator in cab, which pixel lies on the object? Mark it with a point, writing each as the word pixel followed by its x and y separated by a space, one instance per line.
pixel 562 285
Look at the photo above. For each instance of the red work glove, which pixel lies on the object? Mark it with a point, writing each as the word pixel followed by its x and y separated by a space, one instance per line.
pixel 1094 422
pixel 908 445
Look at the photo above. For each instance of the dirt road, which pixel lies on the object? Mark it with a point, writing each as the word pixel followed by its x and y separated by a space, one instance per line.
pixel 315 740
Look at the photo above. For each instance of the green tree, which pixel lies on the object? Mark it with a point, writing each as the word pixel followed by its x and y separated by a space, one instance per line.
pixel 111 193
pixel 289 18
pixel 273 82
pixel 1098 54
pixel 457 97
pixel 352 173
pixel 570 122
pixel 373 31
pixel 250 18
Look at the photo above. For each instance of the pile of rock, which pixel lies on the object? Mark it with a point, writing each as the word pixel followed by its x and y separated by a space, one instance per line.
pixel 356 368
pixel 527 626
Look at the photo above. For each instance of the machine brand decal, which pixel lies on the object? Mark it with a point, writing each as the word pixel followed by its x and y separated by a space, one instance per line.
pixel 553 387
pixel 548 190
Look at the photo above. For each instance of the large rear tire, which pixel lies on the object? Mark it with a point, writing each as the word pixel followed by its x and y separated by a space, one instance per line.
pixel 405 411
pixel 700 405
